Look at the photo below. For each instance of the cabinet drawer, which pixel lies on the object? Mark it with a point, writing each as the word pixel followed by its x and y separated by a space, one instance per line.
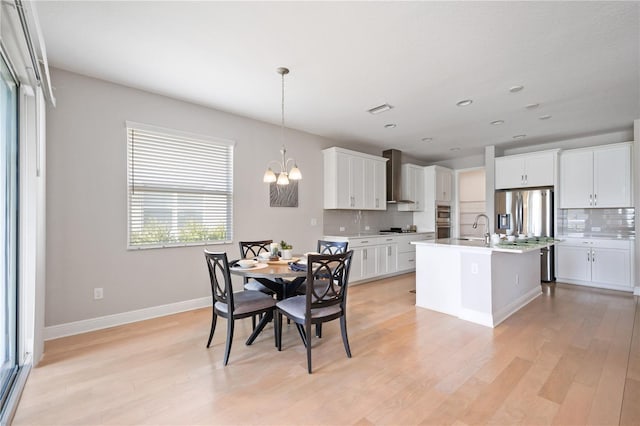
pixel 363 242
pixel 596 243
pixel 406 261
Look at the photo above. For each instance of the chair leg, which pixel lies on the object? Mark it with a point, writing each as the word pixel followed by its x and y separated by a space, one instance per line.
pixel 214 318
pixel 253 322
pixel 227 350
pixel 308 333
pixel 302 333
pixel 345 340
pixel 319 330
pixel 278 327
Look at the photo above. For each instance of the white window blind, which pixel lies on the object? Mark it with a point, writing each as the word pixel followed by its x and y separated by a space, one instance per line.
pixel 180 188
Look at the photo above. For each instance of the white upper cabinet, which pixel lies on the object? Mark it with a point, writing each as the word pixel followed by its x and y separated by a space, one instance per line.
pixel 353 180
pixel 444 184
pixel 526 170
pixel 596 177
pixel 412 188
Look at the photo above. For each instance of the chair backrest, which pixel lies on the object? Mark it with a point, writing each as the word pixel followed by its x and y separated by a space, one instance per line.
pixel 253 248
pixel 327 280
pixel 332 247
pixel 220 277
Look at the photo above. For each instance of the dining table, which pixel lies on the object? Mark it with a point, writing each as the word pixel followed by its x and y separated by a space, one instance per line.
pixel 276 276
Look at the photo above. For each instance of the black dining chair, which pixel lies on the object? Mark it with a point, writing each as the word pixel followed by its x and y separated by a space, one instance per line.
pixel 325 299
pixel 250 249
pixel 325 247
pixel 233 306
pixel 332 247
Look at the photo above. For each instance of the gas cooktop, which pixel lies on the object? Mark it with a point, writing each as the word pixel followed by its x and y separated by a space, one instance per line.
pixel 397 231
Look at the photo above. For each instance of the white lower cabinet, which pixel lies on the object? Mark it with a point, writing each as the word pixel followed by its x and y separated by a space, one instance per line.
pixel 381 255
pixel 596 263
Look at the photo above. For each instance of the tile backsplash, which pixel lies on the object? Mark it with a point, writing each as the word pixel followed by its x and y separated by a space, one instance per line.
pixel 357 221
pixel 604 223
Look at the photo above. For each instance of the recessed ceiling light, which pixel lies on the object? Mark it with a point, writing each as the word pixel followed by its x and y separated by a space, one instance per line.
pixel 379 109
pixel 464 102
pixel 514 89
pixel 427 139
pixel 454 149
pixel 520 136
pixel 390 126
pixel 544 117
pixel 532 106
pixel 497 122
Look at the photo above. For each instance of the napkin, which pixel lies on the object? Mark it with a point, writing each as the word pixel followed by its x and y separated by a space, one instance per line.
pixel 295 266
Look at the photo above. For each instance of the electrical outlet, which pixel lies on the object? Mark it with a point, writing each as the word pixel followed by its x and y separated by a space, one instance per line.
pixel 342 229
pixel 367 228
pixel 474 268
pixel 517 279
pixel 98 293
pixel 314 221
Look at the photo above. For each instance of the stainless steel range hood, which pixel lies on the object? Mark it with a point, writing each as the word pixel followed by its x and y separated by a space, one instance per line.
pixel 394 176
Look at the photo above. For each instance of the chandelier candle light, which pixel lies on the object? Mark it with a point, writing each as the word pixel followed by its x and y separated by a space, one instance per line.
pixel 285 174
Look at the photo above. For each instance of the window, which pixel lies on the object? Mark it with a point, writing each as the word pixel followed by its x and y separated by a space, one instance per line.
pixel 8 228
pixel 180 188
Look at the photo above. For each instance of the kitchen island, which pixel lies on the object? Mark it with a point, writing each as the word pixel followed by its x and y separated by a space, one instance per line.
pixel 476 282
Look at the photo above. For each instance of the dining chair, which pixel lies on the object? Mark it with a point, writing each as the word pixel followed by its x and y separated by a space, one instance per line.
pixel 325 299
pixel 233 306
pixel 325 247
pixel 332 247
pixel 250 249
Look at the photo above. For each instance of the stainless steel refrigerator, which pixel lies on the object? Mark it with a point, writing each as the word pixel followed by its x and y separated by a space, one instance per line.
pixel 530 212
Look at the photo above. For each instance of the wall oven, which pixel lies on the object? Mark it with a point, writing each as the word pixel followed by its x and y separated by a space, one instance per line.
pixel 443 221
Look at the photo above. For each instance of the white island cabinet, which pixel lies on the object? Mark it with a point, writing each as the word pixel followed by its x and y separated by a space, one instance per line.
pixel 474 282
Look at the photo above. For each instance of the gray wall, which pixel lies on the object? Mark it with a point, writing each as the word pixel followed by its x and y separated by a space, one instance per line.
pixel 86 198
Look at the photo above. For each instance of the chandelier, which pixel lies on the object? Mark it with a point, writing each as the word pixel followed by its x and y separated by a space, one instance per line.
pixel 285 173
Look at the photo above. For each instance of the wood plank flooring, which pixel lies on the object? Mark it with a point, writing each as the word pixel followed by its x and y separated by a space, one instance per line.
pixel 573 358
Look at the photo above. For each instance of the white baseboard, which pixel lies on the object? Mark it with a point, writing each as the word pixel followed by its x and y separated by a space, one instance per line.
pixel 516 305
pixel 92 324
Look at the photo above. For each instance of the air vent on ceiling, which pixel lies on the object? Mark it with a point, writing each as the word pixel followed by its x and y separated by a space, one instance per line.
pixel 379 109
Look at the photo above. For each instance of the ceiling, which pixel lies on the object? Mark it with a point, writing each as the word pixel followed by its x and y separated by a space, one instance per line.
pixel 578 60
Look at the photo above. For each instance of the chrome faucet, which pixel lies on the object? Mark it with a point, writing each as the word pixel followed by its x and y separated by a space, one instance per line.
pixel 487 236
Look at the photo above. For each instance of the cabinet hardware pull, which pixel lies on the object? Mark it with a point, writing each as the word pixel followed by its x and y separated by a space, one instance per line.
pixel 364 254
pixel 411 260
pixel 589 256
pixel 593 255
pixel 365 242
pixel 590 199
pixel 595 199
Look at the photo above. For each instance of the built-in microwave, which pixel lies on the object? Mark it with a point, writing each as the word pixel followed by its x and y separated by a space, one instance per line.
pixel 443 214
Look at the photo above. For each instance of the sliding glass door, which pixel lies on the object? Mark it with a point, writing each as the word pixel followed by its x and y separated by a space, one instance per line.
pixel 8 227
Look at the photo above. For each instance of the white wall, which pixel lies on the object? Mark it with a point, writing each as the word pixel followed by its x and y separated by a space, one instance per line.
pixel 86 198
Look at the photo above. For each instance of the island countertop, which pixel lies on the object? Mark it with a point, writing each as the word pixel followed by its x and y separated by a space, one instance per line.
pixel 525 246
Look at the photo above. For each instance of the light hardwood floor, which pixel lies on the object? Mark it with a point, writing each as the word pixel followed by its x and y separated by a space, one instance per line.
pixel 573 358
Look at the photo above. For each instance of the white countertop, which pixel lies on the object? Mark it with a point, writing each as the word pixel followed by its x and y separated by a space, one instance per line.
pixel 375 234
pixel 519 247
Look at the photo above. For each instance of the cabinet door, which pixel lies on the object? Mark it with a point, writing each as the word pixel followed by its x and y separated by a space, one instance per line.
pixel 369 185
pixel 611 266
pixel 574 263
pixel 612 177
pixel 509 172
pixel 392 258
pixel 369 262
pixel 576 179
pixel 409 188
pixel 343 179
pixel 355 274
pixel 444 185
pixel 356 173
pixel 380 185
pixel 539 169
pixel 419 194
